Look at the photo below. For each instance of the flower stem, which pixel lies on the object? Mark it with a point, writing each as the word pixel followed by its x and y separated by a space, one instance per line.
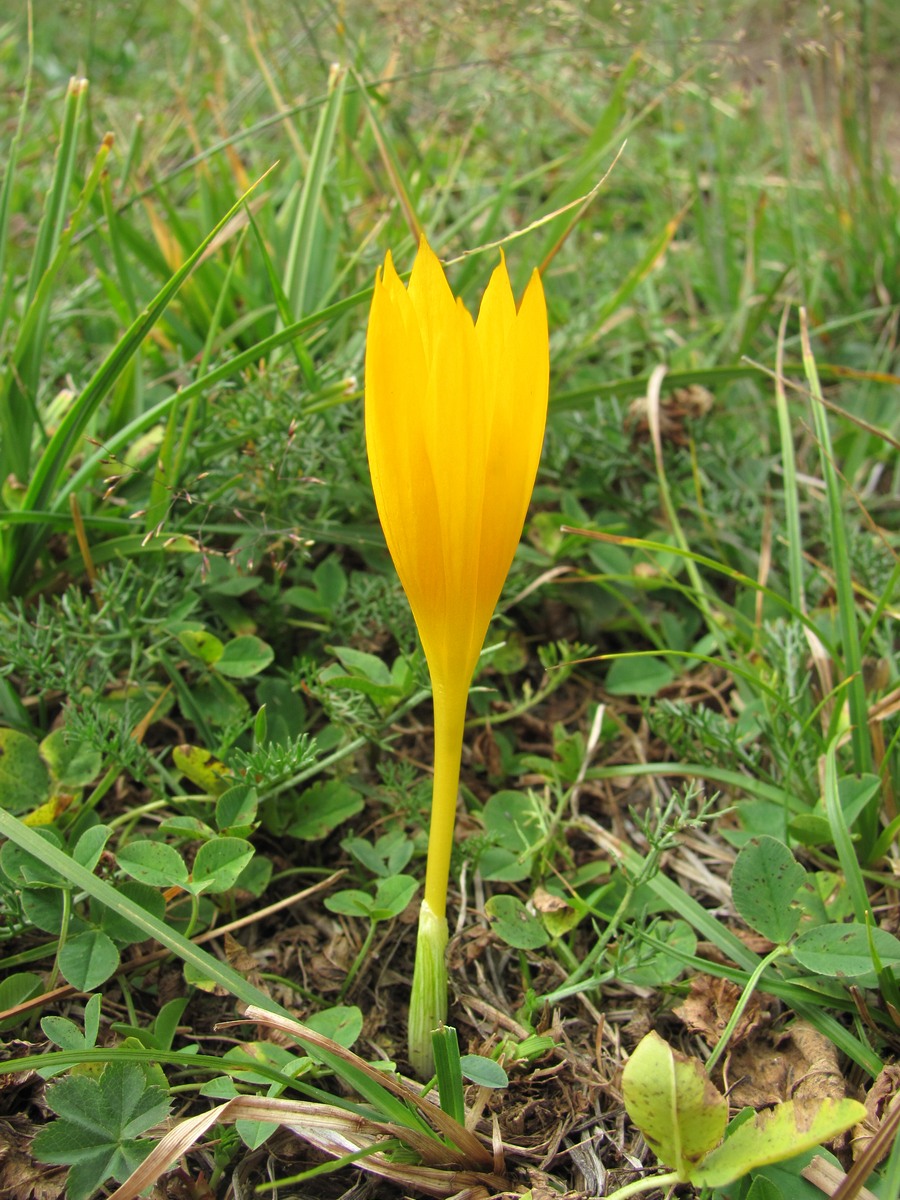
pixel 449 725
pixel 428 1002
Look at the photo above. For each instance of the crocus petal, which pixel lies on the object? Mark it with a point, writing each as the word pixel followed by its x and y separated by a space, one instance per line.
pixel 455 415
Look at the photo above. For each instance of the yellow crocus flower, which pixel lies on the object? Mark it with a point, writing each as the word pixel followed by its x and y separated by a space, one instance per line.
pixel 455 415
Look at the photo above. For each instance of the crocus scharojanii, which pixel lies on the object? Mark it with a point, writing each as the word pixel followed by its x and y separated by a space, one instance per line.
pixel 455 414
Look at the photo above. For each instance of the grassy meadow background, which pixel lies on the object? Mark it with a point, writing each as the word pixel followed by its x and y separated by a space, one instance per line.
pixel 679 788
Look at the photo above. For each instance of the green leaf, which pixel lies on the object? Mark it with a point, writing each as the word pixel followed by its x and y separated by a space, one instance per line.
pixel 392 896
pixel 236 808
pixel 186 828
pixel 764 1189
pixel 88 959
pixel 512 922
pixel 260 726
pixel 843 950
pixel 72 762
pixel 23 869
pixel 765 879
pixel 776 1134
pixel 90 846
pixel 16 989
pixel 202 644
pixel 155 863
pixel 331 583
pixel 255 876
pixel 100 1120
pixel 644 966
pixel 856 792
pixel 202 768
pixel 24 778
pixel 219 863
pixel 67 1035
pixel 388 856
pixel 322 807
pixel 787 1176
pixel 369 666
pixel 638 675
pixel 45 908
pixel 245 656
pixel 351 902
pixel 514 822
pixel 117 925
pixel 343 1024
pixel 671 1099
pixel 105 893
pixel 483 1071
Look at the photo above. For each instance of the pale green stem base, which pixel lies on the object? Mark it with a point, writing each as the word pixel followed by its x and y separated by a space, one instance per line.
pixel 428 1002
pixel 649 1184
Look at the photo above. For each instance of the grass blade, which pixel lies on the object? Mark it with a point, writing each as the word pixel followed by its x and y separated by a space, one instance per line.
pixel 107 895
pixel 843 577
pixel 20 552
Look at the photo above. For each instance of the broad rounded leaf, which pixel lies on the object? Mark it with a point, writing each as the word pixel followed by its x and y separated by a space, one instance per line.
pixel 638 676
pixel 764 882
pixel 88 959
pixel 370 666
pixel 16 989
pixel 245 656
pixel 219 863
pixel 776 1134
pixel 645 966
pixel 343 1023
pixel 44 908
pixel 155 863
pixel 483 1071
pixel 202 644
pixel 28 870
pixel 673 1102
pixel 512 921
pixel 392 896
pixel 514 822
pixel 351 902
pixel 201 767
pixel 764 1189
pixel 843 950
pixel 322 807
pixel 24 778
pixel 72 762
pixel 237 807
pixel 118 926
pixel 90 846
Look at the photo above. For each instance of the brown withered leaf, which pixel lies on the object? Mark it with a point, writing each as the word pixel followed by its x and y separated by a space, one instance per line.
pixel 21 1178
pixel 817 1073
pixel 468 947
pixel 676 411
pixel 546 902
pixel 486 752
pixel 799 1064
pixel 240 958
pixel 12 1082
pixel 708 1007
pixel 878 1100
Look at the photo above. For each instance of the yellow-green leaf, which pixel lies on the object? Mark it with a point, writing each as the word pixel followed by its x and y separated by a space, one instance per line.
pixel 203 769
pixel 670 1098
pixel 774 1135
